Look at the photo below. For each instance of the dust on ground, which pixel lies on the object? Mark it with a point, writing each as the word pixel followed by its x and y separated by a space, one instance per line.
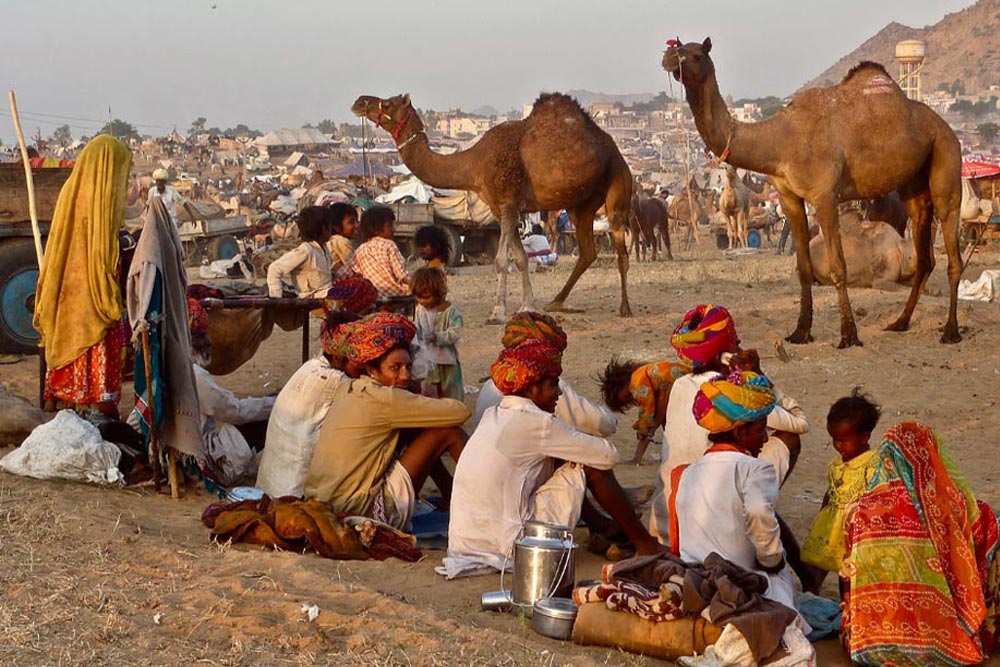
pixel 127 577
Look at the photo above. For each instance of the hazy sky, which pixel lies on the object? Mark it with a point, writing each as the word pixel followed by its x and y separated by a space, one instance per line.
pixel 281 64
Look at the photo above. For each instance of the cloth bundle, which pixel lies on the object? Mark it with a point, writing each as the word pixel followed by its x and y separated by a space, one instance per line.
pixel 293 524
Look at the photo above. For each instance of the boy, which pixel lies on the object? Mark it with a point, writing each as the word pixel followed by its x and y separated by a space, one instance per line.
pixel 378 259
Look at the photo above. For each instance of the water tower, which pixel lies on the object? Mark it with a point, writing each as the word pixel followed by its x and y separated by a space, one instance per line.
pixel 910 60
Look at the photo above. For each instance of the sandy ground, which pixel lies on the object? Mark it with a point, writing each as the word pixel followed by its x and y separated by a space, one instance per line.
pixel 126 577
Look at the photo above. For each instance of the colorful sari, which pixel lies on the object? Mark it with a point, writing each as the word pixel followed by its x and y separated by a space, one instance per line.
pixel 920 561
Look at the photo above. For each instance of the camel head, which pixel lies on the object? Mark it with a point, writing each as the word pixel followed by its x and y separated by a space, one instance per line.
pixel 392 114
pixel 688 62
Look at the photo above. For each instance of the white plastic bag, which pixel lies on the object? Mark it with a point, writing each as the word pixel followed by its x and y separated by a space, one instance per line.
pixel 67 447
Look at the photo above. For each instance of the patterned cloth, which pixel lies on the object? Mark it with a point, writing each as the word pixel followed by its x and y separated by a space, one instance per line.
pixel 198 324
pixel 375 335
pixel 93 377
pixel 646 384
pixel 663 604
pixel 334 341
pixel 920 551
pixel 846 482
pixel 353 294
pixel 518 368
pixel 528 325
pixel 705 332
pixel 379 260
pixel 724 403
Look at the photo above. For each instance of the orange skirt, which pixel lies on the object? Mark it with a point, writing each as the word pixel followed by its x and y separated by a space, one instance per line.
pixel 94 377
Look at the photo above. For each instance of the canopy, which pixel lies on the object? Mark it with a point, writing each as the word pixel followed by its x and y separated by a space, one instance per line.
pixel 974 169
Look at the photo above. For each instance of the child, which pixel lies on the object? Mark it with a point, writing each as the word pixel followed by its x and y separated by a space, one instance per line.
pixel 307 267
pixel 850 423
pixel 378 259
pixel 432 244
pixel 345 224
pixel 439 326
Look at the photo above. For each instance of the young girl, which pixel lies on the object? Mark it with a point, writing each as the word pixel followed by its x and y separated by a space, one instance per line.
pixel 378 259
pixel 439 326
pixel 432 244
pixel 307 267
pixel 850 424
pixel 341 246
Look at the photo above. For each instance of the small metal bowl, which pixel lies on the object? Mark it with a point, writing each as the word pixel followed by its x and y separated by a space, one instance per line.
pixel 554 618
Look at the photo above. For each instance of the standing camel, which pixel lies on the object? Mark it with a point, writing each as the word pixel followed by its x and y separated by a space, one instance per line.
pixel 734 202
pixel 555 158
pixel 858 139
pixel 648 220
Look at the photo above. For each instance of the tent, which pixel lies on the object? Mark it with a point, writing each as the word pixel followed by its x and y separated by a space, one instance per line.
pixel 357 167
pixel 296 159
pixel 975 169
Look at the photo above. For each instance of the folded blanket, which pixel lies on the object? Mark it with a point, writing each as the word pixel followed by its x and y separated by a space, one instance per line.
pixel 599 626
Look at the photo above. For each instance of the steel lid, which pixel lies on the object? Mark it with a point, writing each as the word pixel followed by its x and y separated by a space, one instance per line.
pixel 556 608
pixel 545 543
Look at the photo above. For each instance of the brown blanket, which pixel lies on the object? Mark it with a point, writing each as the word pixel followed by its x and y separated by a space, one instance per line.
pixel 599 626
pixel 293 524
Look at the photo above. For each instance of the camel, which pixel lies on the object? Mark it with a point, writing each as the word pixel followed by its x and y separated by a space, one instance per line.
pixel 686 207
pixel 874 252
pixel 734 202
pixel 555 158
pixel 888 209
pixel 648 219
pixel 858 139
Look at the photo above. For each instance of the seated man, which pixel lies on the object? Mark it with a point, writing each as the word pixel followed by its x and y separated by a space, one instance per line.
pixel 361 463
pixel 522 463
pixel 301 408
pixel 233 428
pixel 536 245
pixel 571 407
pixel 725 501
pixel 626 383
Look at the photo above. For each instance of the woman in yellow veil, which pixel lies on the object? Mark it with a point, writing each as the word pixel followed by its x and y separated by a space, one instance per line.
pixel 78 301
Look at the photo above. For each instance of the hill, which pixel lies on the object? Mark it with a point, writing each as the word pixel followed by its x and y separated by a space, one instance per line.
pixel 960 47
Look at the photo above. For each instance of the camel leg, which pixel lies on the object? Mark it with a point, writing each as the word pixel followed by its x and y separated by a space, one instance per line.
pixel 665 237
pixel 795 214
pixel 520 260
pixel 502 261
pixel 947 210
pixel 918 205
pixel 826 211
pixel 625 310
pixel 584 223
pixel 744 226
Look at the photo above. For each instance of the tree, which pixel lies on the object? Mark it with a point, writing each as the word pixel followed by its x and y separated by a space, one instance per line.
pixel 327 126
pixel 988 131
pixel 120 129
pixel 242 130
pixel 198 125
pixel 62 136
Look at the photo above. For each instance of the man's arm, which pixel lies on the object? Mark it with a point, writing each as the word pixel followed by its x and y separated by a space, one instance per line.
pixel 226 407
pixel 409 410
pixel 283 266
pixel 562 441
pixel 583 414
pixel 787 415
pixel 760 497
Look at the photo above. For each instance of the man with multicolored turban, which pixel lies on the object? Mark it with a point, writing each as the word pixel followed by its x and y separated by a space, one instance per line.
pixel 365 462
pixel 725 501
pixel 302 406
pixel 524 463
pixel 571 407
pixel 706 339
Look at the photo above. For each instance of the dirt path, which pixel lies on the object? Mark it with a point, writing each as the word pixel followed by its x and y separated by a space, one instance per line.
pixel 100 577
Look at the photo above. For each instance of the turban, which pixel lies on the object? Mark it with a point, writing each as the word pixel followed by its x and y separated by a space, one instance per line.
pixel 705 332
pixel 198 325
pixel 375 335
pixel 519 367
pixel 334 339
pixel 724 403
pixel 527 325
pixel 353 294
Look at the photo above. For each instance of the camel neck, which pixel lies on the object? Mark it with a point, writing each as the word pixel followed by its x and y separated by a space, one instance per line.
pixel 454 171
pixel 752 146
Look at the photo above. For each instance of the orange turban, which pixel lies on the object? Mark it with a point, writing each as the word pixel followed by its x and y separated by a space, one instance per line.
pixel 528 325
pixel 377 334
pixel 517 368
pixel 724 403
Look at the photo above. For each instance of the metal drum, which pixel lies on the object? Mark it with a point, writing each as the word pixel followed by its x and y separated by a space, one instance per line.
pixel 543 567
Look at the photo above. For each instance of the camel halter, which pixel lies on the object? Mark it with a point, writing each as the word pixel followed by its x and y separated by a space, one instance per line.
pixel 715 161
pixel 400 126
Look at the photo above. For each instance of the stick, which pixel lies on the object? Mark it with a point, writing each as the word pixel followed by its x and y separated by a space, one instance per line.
pixel 172 473
pixel 28 180
pixel 154 444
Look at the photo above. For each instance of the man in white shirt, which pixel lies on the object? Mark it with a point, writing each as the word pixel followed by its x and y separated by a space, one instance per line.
pixel 300 408
pixel 725 501
pixel 523 463
pixel 168 194
pixel 537 247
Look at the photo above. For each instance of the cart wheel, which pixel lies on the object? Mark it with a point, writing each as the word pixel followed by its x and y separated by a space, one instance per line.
pixel 753 239
pixel 18 278
pixel 722 240
pixel 223 247
pixel 455 241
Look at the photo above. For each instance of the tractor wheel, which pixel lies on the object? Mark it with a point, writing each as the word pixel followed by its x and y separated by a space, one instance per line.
pixel 18 279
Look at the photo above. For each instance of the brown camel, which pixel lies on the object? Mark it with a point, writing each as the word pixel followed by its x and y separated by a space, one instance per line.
pixel 555 158
pixel 686 207
pixel 734 202
pixel 648 224
pixel 875 254
pixel 888 209
pixel 858 139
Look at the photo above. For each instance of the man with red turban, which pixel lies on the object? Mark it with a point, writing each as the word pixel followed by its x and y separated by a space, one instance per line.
pixel 523 463
pixel 364 462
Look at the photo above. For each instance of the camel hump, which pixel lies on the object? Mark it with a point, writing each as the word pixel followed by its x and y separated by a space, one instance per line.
pixel 873 78
pixel 558 103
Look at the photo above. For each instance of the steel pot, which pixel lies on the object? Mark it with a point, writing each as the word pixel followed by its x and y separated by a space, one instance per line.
pixel 543 567
pixel 546 530
pixel 554 617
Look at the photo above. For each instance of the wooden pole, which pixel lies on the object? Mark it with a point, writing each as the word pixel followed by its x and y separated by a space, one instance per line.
pixel 154 443
pixel 175 492
pixel 28 180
